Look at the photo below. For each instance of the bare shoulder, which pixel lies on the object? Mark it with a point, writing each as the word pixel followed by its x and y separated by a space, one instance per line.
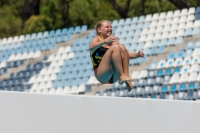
pixel 93 42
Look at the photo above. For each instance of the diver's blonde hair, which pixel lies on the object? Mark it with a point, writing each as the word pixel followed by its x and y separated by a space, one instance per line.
pixel 98 25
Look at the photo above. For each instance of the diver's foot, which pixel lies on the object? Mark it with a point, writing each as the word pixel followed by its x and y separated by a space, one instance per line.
pixel 129 86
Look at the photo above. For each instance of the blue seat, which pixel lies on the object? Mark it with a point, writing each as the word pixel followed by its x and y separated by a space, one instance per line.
pixel 77 29
pixel 155 43
pixel 141 18
pixel 164 88
pixel 171 42
pixel 188 32
pixel 191 86
pixel 71 30
pixel 128 21
pixel 171 55
pixel 190 95
pixel 197 15
pixel 146 25
pixel 196 30
pixel 190 45
pixel 83 28
pixel 177 70
pixel 33 36
pixel 27 37
pixel 182 87
pixel 168 71
pixel 163 42
pixel 52 33
pixel 134 20
pixel 173 87
pixel 163 96
pixel 160 72
pixel 64 31
pixel 180 54
pixel 58 32
pixel 179 40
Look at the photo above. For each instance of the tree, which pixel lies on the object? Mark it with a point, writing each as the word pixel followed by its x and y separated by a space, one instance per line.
pixel 123 12
pixel 142 7
pixel 64 5
pixel 31 7
pixel 180 4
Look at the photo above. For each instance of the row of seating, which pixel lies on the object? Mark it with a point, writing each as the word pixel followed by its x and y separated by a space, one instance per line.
pixel 155 16
pixel 175 95
pixel 40 35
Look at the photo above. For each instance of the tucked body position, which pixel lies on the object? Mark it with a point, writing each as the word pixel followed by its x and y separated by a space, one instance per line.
pixel 109 57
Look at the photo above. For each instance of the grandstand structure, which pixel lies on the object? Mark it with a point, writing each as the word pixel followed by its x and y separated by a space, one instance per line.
pixel 58 61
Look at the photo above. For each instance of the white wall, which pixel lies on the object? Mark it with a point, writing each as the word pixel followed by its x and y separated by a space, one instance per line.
pixel 39 113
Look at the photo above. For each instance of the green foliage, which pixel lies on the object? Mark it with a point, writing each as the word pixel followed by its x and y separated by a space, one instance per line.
pixel 80 12
pixel 10 22
pixel 38 24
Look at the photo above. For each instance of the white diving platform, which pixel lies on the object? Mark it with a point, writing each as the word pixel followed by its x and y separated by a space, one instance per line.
pixel 22 112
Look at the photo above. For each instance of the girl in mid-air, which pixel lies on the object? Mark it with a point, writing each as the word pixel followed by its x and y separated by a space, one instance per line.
pixel 110 59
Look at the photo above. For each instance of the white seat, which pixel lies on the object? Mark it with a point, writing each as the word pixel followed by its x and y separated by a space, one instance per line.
pixel 143 74
pixel 161 22
pixel 191 10
pixel 159 29
pixel 184 12
pixel 177 13
pixel 154 23
pixel 165 35
pixel 45 91
pixel 161 64
pixel 187 60
pixel 135 74
pixel 170 63
pixel 53 77
pixel 173 33
pixel 191 17
pixel 195 60
pixel 178 62
pixel 152 30
pixel 157 36
pixel 196 23
pixel 174 27
pixel 155 16
pixel 183 19
pixel 149 39
pixel 66 90
pixel 196 52
pixel 181 32
pixel 145 31
pixel 52 91
pixel 81 88
pixel 183 78
pixel 49 84
pixel 166 28
pixel 162 15
pixel 68 49
pixel 181 26
pixel 175 20
pixel 169 14
pixel 194 68
pixel 189 25
pixel 193 77
pixel 37 54
pixel 92 80
pixel 185 69
pixel 148 18
pixel 74 90
pixel 59 90
pixel 175 78
pixel 148 44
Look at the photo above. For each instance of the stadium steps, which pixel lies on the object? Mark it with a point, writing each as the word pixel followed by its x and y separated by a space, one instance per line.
pixel 43 54
pixel 102 87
